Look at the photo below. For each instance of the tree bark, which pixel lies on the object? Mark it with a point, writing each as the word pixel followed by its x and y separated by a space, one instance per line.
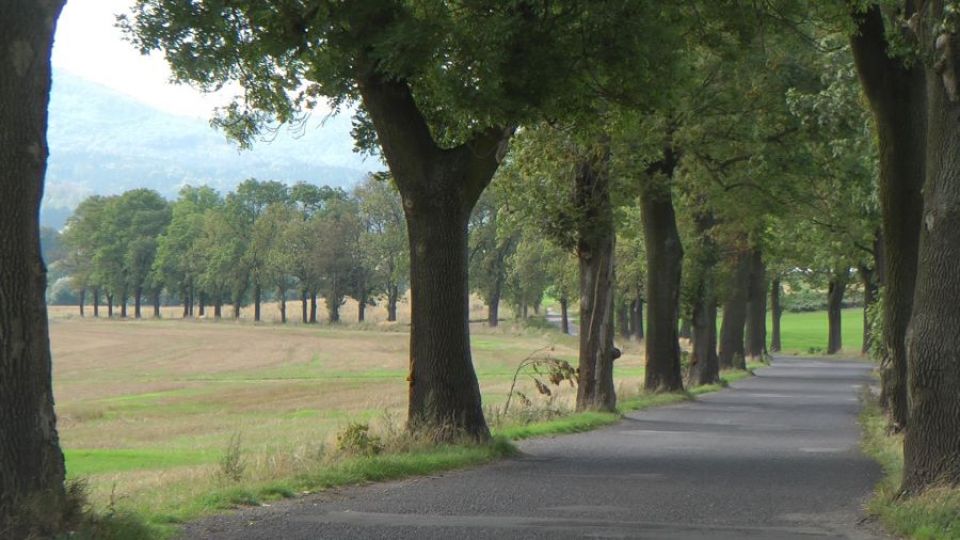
pixel 123 303
pixel 898 98
pixel 835 290
pixel 282 294
pixel 313 307
pixel 493 307
pixel 256 302
pixel 393 296
pixel 31 462
pixel 735 315
pixel 439 188
pixel 664 263
pixel 137 301
pixel 83 294
pixel 870 293
pixel 109 305
pixel 776 310
pixel 756 324
pixel 638 318
pixel 303 306
pixel 595 246
pixel 704 362
pixel 564 315
pixel 186 302
pixel 932 440
pixel 96 302
pixel 361 308
pixel 156 304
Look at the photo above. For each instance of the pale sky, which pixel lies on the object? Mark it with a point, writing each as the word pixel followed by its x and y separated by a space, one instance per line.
pixel 88 45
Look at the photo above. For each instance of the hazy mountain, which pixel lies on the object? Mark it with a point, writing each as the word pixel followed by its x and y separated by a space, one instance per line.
pixel 103 142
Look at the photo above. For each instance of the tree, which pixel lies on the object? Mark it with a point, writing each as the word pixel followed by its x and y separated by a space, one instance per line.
pixel 31 462
pixel 384 239
pixel 491 244
pixel 442 89
pixel 79 238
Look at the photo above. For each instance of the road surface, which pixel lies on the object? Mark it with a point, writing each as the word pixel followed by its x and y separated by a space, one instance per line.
pixel 775 456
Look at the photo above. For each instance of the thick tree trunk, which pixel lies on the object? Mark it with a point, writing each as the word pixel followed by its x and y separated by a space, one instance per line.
pixel 664 262
pixel 83 294
pixel 932 441
pixel 756 324
pixel 595 245
pixel 361 308
pixel 31 463
pixel 313 307
pixel 835 290
pixel 439 188
pixel 898 98
pixel 393 296
pixel 704 362
pixel 564 315
pixel 96 302
pixel 109 305
pixel 256 302
pixel 776 310
pixel 493 307
pixel 735 315
pixel 137 302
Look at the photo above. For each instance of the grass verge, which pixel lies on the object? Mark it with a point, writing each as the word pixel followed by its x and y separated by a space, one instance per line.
pixel 398 456
pixel 934 514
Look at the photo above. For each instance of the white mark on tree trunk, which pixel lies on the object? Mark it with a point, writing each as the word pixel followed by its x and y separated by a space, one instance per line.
pixel 21 56
pixel 929 220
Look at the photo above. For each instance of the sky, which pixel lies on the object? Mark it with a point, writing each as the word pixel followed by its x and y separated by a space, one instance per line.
pixel 88 45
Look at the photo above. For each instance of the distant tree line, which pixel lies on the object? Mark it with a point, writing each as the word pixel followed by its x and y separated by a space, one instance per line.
pixel 265 240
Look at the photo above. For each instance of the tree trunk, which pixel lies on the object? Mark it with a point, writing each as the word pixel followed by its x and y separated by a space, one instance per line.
pixel 256 302
pixel 932 441
pixel 333 309
pixel 493 308
pixel 190 298
pixel 439 188
pixel 595 246
pixel 664 263
pixel 236 309
pixel 564 315
pixel 898 98
pixel 156 304
pixel 870 292
pixel 756 324
pixel 31 463
pixel 623 319
pixel 123 303
pixel 137 296
pixel 313 307
pixel 704 362
pixel 361 308
pixel 185 299
pixel 836 287
pixel 638 318
pixel 776 310
pixel 393 296
pixel 218 306
pixel 109 305
pixel 83 294
pixel 443 387
pixel 282 293
pixel 735 315
pixel 96 302
pixel 303 306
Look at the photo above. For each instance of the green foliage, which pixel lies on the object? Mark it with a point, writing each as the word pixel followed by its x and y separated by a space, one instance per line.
pixel 232 463
pixel 356 439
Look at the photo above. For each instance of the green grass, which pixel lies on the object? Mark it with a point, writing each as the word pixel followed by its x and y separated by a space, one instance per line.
pixel 806 333
pixel 82 462
pixel 932 515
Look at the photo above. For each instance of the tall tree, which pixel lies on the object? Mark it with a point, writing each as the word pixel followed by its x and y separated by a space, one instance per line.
pixel 31 463
pixel 442 89
pixel 384 239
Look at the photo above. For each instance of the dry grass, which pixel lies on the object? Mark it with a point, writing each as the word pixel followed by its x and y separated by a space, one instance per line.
pixel 146 408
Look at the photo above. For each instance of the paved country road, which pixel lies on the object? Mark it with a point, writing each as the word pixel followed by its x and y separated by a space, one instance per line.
pixel 775 456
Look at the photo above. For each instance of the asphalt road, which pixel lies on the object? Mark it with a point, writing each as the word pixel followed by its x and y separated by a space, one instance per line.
pixel 775 456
